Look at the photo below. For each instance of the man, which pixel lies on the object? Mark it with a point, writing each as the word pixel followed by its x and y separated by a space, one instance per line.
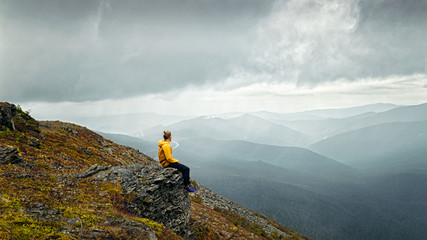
pixel 166 159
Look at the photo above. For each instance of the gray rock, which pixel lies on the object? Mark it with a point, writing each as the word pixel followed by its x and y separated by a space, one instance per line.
pixel 73 221
pixel 86 151
pixel 106 150
pixel 44 212
pixel 34 142
pixel 102 142
pixel 70 130
pixel 7 113
pixel 91 171
pixel 159 193
pixel 10 155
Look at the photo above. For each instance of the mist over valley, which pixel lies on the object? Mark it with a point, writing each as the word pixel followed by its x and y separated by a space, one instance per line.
pixel 366 180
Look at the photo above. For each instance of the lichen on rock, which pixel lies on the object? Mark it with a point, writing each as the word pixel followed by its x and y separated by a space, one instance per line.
pixel 157 193
pixel 7 113
pixel 10 155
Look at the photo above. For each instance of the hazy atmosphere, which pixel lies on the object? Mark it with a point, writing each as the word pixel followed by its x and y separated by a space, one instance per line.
pixel 310 112
pixel 202 57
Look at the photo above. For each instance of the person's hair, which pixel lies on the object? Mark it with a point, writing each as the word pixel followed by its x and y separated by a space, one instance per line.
pixel 166 134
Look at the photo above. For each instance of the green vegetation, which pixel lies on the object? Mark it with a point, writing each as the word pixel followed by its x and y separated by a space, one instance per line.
pixel 159 229
pixel 14 224
pixel 38 200
pixel 78 207
pixel 240 221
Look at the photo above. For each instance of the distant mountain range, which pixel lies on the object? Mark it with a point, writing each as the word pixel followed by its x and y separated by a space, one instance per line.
pixel 63 181
pixel 332 174
pixel 321 129
pixel 326 113
pixel 246 127
pixel 131 124
pixel 401 146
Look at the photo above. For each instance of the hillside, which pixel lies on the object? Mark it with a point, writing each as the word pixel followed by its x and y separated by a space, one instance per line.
pixel 400 146
pixel 63 181
pixel 314 194
pixel 293 158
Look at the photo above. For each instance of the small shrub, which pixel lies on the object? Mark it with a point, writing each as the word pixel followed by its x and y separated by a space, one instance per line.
pixel 197 199
pixel 88 220
pixel 159 229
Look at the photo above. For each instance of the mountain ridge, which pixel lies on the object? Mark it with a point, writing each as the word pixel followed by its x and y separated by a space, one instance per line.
pixel 247 127
pixel 49 188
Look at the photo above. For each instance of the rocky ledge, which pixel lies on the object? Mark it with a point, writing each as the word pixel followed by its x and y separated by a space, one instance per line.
pixel 7 113
pixel 10 155
pixel 157 193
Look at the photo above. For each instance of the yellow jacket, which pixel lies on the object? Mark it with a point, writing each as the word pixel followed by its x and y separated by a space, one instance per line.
pixel 165 153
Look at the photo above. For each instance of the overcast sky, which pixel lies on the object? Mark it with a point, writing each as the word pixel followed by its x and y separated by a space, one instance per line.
pixel 209 56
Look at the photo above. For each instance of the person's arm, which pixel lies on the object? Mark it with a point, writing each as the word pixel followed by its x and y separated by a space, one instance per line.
pixel 167 149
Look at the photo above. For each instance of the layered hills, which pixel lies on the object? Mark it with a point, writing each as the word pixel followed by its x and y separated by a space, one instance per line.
pixel 246 127
pixel 398 145
pixel 64 181
pixel 362 177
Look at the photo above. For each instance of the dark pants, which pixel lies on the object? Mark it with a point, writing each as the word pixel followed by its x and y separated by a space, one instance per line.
pixel 185 171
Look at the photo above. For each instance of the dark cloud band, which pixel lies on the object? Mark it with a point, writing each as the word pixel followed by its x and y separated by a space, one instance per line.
pixel 92 50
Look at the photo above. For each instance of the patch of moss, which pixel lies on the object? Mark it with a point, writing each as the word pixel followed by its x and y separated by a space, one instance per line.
pixel 251 226
pixel 159 229
pixel 196 198
pixel 202 230
pixel 196 184
pixel 14 224
pixel 24 122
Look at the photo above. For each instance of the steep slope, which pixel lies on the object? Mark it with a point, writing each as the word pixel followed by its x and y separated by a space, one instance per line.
pixel 246 127
pixel 319 208
pixel 63 181
pixel 399 146
pixel 148 148
pixel 360 207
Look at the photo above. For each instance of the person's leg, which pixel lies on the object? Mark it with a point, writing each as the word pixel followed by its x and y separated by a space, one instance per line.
pixel 184 170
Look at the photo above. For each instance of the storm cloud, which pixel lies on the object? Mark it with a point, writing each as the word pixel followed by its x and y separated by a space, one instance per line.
pixel 93 50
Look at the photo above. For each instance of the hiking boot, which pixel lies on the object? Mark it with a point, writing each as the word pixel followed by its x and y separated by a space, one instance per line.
pixel 189 189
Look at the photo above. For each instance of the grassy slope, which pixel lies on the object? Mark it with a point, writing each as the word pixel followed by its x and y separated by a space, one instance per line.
pixel 79 208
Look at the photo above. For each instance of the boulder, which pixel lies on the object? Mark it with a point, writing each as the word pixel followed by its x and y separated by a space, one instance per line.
pixel 10 155
pixel 34 142
pixel 158 193
pixel 7 113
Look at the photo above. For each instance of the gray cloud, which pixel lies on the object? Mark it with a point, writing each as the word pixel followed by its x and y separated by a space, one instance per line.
pixel 90 50
pixel 63 50
pixel 321 41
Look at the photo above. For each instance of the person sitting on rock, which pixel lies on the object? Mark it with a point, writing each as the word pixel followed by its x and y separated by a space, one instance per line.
pixel 166 159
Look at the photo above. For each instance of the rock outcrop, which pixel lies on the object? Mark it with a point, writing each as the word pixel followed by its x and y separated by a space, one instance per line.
pixel 123 195
pixel 158 193
pixel 10 155
pixel 7 113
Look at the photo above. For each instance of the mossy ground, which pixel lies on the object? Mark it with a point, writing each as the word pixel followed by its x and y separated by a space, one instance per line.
pixel 208 223
pixel 84 207
pixel 80 206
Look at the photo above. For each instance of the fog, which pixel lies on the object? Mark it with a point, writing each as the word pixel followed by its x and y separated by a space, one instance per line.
pixel 312 112
pixel 200 57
